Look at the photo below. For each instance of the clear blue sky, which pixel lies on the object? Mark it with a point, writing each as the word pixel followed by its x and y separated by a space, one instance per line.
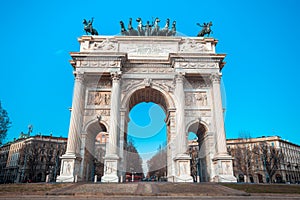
pixel 261 39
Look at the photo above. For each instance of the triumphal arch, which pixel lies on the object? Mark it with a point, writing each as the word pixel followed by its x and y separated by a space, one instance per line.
pixel 114 73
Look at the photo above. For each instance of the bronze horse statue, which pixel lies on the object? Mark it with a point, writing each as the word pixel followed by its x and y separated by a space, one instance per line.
pixel 148 29
pixel 88 27
pixel 123 29
pixel 206 30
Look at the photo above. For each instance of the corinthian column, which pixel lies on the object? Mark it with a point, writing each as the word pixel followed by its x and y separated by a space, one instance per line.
pixel 222 162
pixel 114 114
pixel 218 111
pixel 111 157
pixel 76 116
pixel 70 162
pixel 180 119
pixel 182 160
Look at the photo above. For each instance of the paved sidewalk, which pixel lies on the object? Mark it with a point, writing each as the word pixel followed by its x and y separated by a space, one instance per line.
pixel 148 189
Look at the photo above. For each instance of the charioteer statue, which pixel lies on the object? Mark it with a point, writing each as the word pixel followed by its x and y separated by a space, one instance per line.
pixel 148 29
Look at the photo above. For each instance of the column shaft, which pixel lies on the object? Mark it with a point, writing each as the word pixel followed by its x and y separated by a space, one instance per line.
pixel 76 116
pixel 114 115
pixel 180 118
pixel 220 129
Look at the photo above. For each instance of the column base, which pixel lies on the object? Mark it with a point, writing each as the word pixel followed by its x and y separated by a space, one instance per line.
pixel 182 168
pixel 223 168
pixel 110 169
pixel 70 164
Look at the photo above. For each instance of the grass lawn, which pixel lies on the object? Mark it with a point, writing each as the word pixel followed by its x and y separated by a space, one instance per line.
pixel 265 188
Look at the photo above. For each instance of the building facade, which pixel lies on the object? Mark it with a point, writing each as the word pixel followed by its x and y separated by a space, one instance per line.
pixel 31 159
pixel 265 159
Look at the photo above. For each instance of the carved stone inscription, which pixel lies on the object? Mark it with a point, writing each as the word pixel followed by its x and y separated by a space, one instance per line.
pixel 98 98
pixel 196 99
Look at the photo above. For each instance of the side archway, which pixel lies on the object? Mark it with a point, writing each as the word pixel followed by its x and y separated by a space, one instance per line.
pixel 198 149
pixel 94 146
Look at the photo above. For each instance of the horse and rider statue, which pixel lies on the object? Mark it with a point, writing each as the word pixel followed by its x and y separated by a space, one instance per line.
pixel 88 27
pixel 152 29
pixel 206 30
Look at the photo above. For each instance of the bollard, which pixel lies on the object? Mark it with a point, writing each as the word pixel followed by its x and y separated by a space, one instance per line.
pixel 95 179
pixel 47 179
pixel 75 180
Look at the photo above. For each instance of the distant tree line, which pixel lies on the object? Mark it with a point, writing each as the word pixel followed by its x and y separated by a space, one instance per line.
pixel 157 165
pixel 249 158
pixel 4 123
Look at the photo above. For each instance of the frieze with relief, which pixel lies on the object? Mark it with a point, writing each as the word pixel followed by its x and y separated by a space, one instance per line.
pixel 105 45
pixel 195 65
pixel 99 63
pixel 196 99
pixel 190 45
pixel 146 49
pixel 154 69
pixel 98 98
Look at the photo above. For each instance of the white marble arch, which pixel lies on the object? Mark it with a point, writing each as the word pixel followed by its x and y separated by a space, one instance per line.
pixel 161 70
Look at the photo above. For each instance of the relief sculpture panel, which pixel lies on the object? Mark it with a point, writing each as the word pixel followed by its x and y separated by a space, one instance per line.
pixel 98 98
pixel 196 99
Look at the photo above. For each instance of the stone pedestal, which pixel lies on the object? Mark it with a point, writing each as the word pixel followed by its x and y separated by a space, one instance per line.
pixel 69 168
pixel 183 169
pixel 223 169
pixel 110 169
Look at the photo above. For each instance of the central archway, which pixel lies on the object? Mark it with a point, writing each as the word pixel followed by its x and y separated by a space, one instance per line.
pixel 155 97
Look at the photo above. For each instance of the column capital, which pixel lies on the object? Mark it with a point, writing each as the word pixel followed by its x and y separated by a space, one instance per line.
pixel 115 76
pixel 215 77
pixel 179 76
pixel 79 76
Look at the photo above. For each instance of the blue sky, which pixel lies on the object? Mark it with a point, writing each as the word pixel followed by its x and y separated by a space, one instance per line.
pixel 260 38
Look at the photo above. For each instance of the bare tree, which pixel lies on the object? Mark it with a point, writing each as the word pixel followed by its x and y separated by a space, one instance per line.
pixel 29 160
pixel 271 158
pixel 133 158
pixel 157 165
pixel 243 156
